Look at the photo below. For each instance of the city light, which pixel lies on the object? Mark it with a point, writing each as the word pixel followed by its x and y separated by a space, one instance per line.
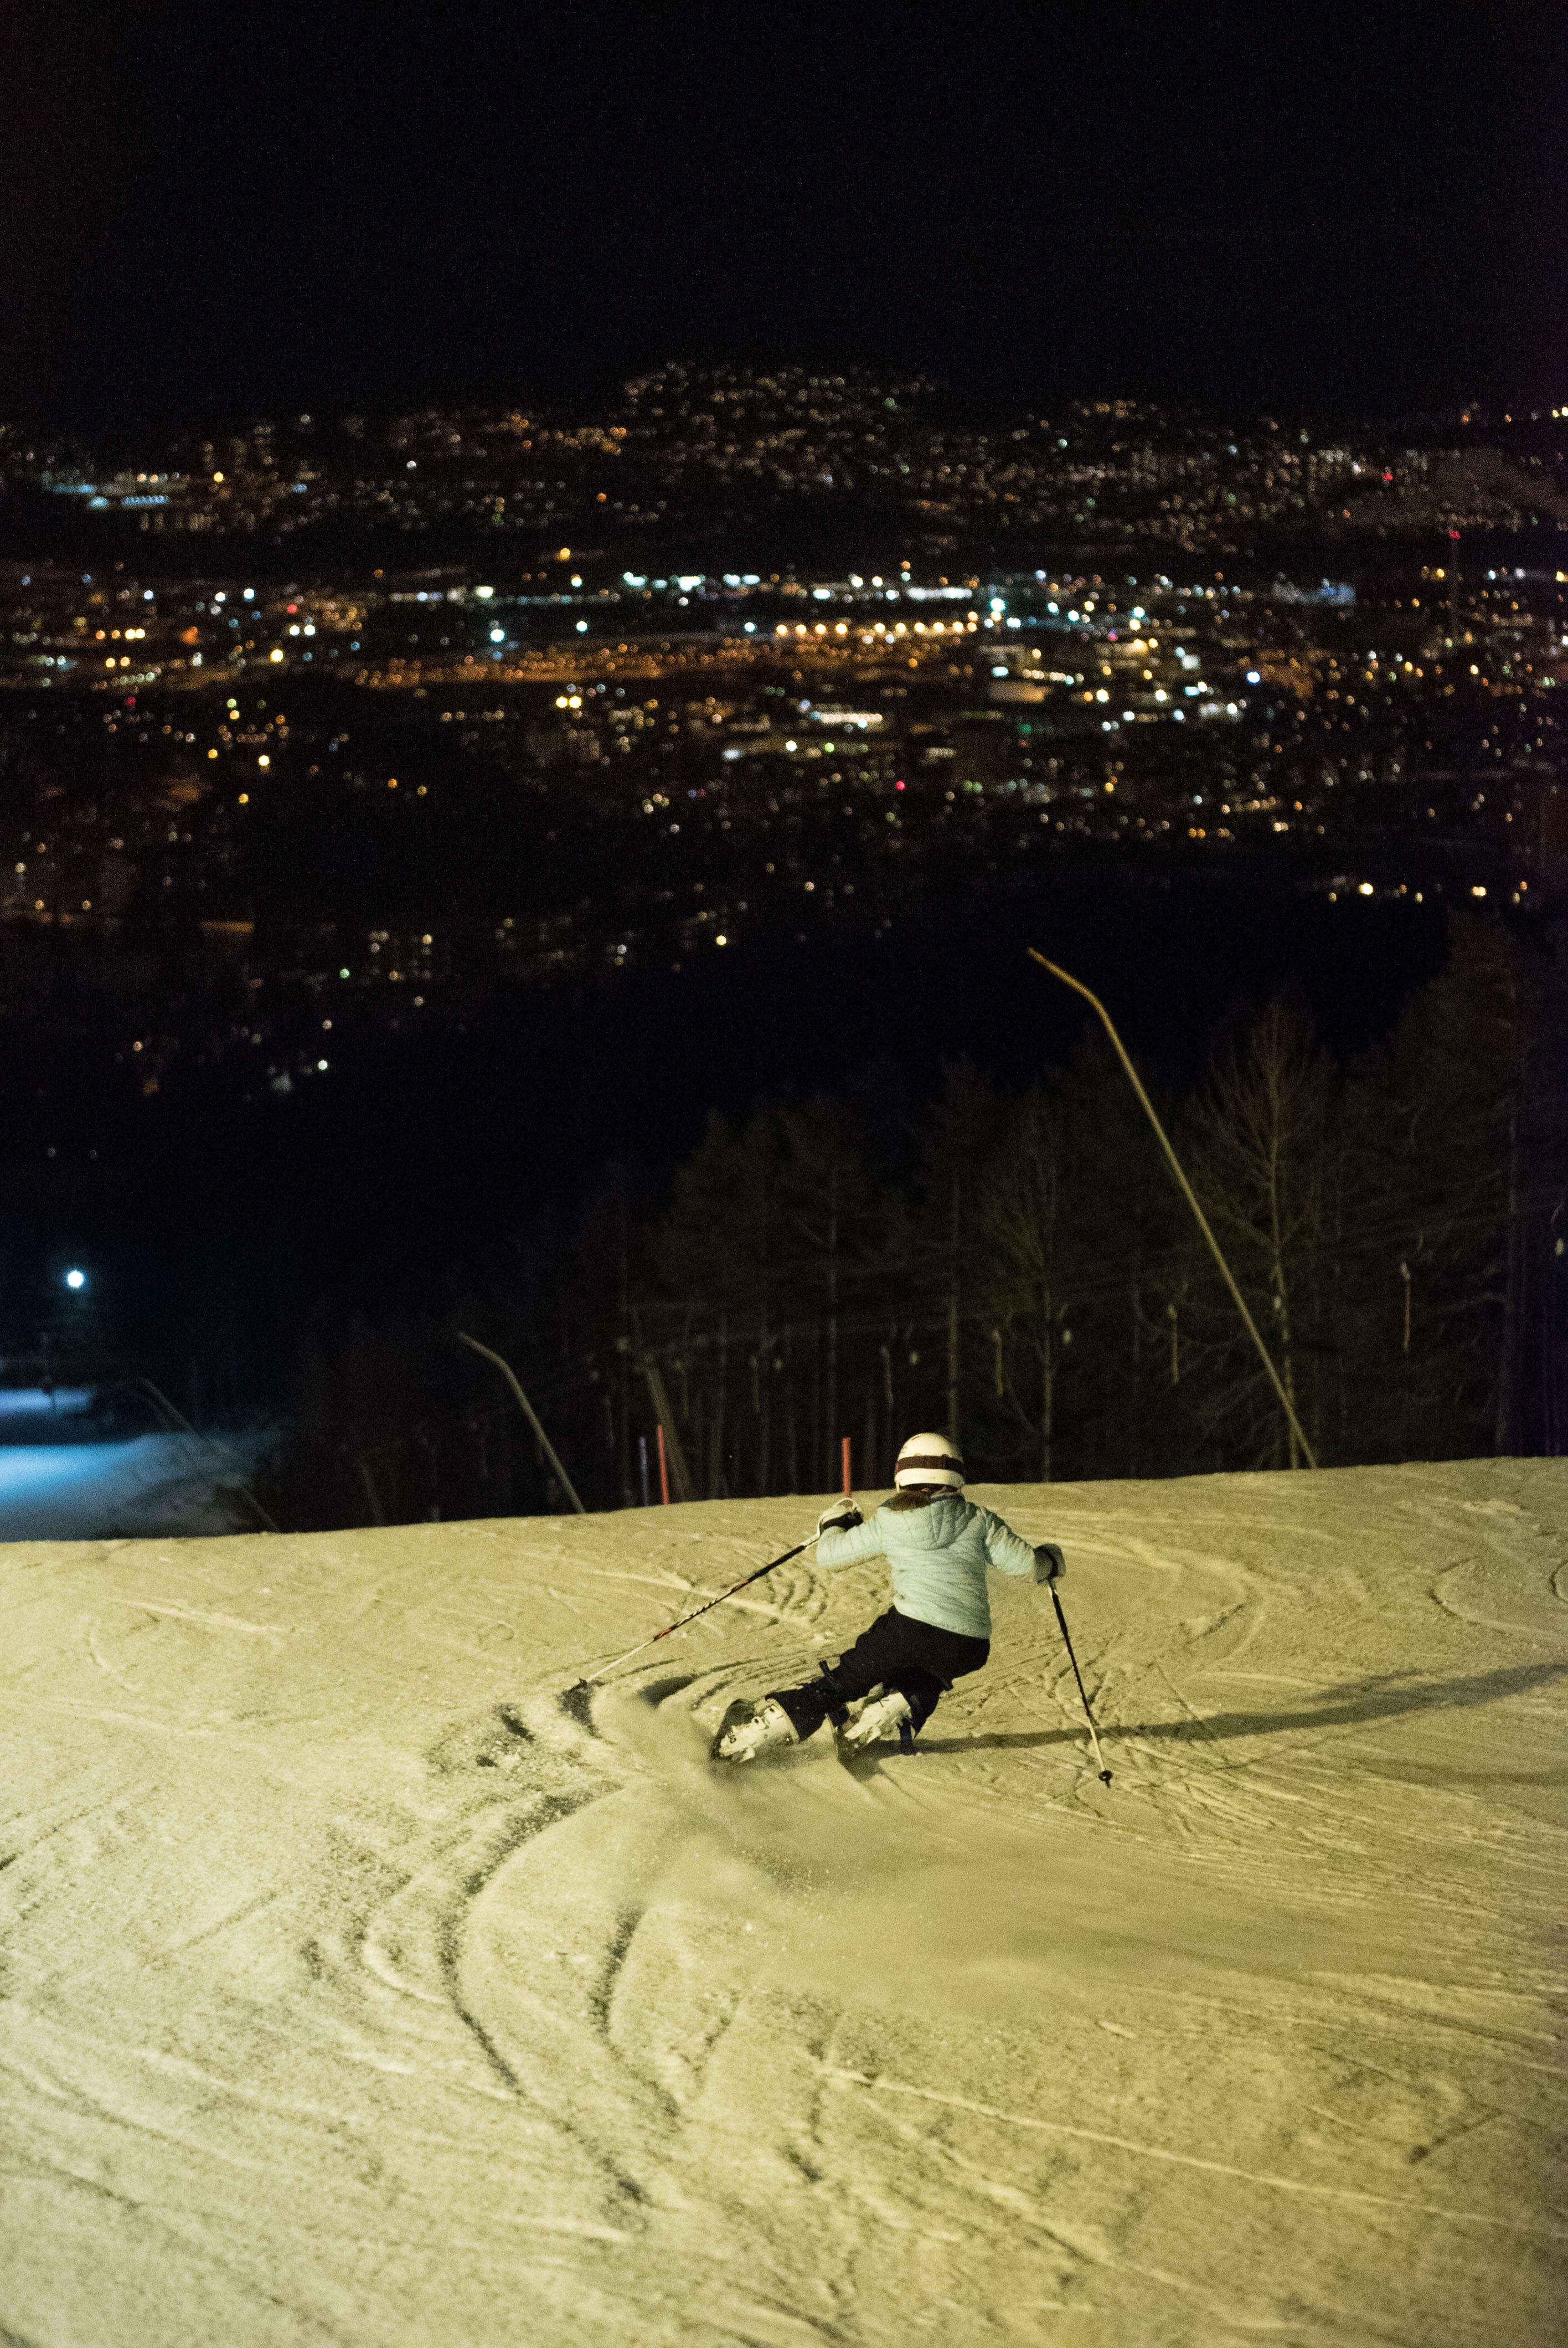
pixel 1078 672
pixel 76 1280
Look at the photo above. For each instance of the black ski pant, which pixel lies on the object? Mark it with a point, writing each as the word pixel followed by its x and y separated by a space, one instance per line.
pixel 918 1659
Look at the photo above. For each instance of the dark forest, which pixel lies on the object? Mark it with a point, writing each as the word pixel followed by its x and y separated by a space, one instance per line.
pixel 1016 1264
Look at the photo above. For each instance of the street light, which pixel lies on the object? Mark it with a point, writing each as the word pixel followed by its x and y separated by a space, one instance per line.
pixel 75 1279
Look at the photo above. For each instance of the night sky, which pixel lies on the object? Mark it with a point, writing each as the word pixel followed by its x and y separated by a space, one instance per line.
pixel 217 212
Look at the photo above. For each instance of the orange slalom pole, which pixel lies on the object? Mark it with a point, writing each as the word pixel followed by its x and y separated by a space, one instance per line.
pixel 663 1468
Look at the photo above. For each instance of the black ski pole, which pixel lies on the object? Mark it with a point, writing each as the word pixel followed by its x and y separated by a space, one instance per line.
pixel 708 1605
pixel 1078 1675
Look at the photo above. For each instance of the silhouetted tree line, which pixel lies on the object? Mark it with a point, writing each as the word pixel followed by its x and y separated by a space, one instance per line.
pixel 1019 1270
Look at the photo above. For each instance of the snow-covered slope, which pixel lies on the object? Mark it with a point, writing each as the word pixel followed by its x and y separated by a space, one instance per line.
pixel 354 1990
pixel 146 1484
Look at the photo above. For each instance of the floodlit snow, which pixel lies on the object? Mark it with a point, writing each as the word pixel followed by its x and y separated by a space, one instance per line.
pixel 42 1404
pixel 80 1491
pixel 354 1990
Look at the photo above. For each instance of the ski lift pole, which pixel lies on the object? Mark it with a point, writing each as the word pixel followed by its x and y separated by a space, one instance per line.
pixel 530 1412
pixel 1264 1356
pixel 1078 1675
pixel 590 1678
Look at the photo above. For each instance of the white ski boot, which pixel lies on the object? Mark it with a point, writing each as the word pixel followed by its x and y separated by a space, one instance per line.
pixel 885 1716
pixel 749 1728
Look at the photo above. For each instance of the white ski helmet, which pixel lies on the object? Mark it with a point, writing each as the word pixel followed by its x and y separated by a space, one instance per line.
pixel 929 1459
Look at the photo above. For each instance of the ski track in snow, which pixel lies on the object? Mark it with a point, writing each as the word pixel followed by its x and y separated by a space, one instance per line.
pixel 361 1984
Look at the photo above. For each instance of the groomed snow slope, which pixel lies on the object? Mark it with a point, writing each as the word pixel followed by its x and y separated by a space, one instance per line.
pixel 354 1990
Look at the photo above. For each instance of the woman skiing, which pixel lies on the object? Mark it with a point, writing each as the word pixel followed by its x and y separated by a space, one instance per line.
pixel 939 1546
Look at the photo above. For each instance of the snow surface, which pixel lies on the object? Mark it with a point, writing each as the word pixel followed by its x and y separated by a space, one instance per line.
pixel 143 1484
pixel 355 1990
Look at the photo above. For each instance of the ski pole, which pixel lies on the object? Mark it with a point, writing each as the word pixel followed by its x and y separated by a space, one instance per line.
pixel 589 1678
pixel 1078 1675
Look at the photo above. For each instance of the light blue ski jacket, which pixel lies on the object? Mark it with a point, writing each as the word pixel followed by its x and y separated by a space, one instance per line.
pixel 939 1556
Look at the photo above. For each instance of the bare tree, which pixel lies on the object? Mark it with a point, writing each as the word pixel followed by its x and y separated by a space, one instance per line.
pixel 1021 1236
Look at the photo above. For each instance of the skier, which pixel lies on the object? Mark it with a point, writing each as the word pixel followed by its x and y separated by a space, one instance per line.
pixel 938 1545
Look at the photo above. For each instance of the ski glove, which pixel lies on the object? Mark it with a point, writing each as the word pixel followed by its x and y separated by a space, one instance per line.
pixel 841 1517
pixel 1050 1565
